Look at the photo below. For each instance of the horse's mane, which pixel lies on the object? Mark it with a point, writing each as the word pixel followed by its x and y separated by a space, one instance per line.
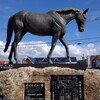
pixel 67 10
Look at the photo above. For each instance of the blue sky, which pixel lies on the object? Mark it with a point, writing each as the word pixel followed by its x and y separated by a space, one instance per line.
pixel 92 27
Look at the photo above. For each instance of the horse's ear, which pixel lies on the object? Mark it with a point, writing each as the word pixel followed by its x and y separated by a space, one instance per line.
pixel 85 11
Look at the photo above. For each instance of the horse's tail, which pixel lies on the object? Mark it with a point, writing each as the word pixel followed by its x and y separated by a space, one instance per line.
pixel 9 34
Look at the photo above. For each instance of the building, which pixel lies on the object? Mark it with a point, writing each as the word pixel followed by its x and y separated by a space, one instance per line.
pixel 3 62
pixel 26 60
pixel 60 60
pixel 93 61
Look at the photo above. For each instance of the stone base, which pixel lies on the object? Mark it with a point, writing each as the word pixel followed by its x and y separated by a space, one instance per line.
pixel 12 81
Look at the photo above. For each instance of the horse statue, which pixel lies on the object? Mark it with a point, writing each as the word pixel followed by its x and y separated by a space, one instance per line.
pixel 52 23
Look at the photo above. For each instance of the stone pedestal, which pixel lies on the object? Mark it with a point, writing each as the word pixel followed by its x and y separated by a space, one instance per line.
pixel 12 81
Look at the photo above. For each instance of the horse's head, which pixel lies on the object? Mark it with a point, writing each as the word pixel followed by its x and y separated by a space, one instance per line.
pixel 80 19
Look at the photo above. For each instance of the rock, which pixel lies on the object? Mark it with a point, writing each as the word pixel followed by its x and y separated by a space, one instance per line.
pixel 12 81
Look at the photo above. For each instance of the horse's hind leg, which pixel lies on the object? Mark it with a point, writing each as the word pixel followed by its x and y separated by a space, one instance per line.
pixel 18 37
pixel 10 55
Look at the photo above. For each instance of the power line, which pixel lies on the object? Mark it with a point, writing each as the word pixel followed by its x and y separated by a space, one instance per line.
pixel 89 38
pixel 80 43
pixel 95 19
pixel 84 39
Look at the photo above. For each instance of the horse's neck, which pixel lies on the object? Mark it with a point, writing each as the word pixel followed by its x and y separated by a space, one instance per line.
pixel 60 20
pixel 68 17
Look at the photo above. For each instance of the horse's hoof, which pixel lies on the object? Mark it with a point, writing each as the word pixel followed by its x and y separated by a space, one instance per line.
pixel 4 50
pixel 10 62
pixel 69 60
pixel 50 62
pixel 16 62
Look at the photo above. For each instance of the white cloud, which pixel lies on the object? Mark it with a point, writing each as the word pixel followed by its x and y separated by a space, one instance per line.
pixel 41 49
pixel 80 50
pixel 2 54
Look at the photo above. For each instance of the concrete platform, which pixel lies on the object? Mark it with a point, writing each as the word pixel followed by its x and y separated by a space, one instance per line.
pixel 14 66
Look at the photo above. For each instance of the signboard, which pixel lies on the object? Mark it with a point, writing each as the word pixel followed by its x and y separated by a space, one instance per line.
pixel 34 91
pixel 67 87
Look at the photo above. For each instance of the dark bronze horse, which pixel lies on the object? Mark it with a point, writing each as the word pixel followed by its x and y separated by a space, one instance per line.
pixel 51 23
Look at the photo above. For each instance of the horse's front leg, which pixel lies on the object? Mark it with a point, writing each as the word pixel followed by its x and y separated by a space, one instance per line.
pixel 66 48
pixel 53 44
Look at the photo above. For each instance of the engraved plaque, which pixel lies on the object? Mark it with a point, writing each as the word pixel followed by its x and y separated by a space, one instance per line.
pixel 67 87
pixel 34 91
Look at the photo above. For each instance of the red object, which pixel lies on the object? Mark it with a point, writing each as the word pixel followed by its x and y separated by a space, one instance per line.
pixel 2 62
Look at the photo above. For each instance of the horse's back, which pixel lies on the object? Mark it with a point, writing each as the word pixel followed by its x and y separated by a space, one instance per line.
pixel 19 15
pixel 39 24
pixel 17 19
